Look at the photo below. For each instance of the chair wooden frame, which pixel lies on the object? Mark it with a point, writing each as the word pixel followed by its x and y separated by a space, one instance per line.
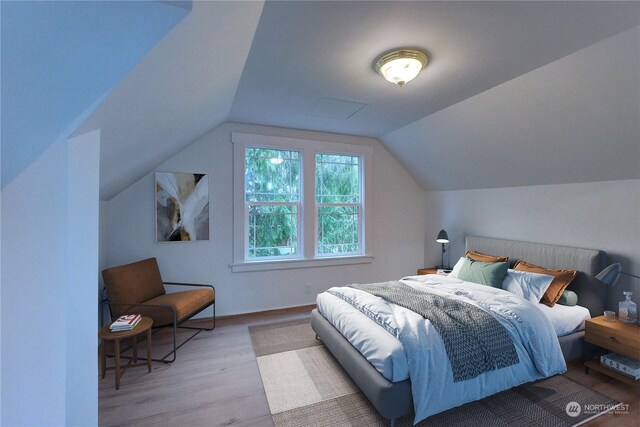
pixel 176 323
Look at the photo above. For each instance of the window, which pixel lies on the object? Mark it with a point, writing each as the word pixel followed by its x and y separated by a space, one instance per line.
pixel 272 196
pixel 299 203
pixel 338 204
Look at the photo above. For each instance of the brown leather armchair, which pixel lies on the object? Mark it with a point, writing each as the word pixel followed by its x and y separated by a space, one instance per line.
pixel 138 288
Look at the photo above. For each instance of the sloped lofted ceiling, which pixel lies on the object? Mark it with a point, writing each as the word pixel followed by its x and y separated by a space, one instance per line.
pixel 183 88
pixel 59 58
pixel 574 120
pixel 281 63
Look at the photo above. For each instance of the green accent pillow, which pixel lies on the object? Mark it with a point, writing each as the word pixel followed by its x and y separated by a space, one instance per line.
pixel 486 273
pixel 568 298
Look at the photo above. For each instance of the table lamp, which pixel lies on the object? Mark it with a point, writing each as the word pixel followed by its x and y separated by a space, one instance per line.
pixel 443 238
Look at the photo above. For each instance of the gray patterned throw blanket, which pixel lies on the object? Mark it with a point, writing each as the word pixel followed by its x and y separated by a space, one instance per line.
pixel 475 342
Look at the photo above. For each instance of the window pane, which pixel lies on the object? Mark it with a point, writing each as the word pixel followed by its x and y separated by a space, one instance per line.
pixel 272 175
pixel 337 178
pixel 273 231
pixel 338 230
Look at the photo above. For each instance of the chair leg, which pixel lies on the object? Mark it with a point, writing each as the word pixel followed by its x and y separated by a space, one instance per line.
pixel 198 330
pixel 213 322
pixel 175 327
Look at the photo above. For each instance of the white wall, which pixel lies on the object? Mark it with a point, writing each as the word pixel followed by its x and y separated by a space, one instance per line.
pixel 598 215
pixel 48 266
pixel 80 286
pixel 129 234
pixel 34 215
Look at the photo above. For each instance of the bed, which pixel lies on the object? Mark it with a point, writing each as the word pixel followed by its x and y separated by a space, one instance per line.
pixel 391 394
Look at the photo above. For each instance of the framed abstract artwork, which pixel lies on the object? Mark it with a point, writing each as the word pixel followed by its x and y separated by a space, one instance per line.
pixel 182 207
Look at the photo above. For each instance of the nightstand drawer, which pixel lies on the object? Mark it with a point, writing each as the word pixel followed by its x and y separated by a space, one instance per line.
pixel 613 336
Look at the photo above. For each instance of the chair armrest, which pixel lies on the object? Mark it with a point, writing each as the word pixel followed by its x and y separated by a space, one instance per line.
pixel 189 284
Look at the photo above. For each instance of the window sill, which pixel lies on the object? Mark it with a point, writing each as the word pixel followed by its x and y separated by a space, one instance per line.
pixel 286 264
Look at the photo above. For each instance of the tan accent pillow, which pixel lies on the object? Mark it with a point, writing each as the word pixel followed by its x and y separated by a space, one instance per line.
pixel 477 256
pixel 561 280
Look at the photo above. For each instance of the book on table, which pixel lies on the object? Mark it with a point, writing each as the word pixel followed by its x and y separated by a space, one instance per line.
pixel 125 322
pixel 624 365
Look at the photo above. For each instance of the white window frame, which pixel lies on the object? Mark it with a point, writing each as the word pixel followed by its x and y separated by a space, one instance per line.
pixel 307 224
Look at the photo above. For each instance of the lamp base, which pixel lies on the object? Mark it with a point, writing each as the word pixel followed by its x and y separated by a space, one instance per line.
pixel 443 267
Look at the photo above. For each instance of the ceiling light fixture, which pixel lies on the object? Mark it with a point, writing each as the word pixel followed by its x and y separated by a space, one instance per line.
pixel 401 66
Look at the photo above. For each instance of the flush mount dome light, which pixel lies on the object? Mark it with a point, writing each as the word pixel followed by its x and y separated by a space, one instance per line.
pixel 401 66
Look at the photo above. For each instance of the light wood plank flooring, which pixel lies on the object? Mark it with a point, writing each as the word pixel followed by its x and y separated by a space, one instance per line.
pixel 215 382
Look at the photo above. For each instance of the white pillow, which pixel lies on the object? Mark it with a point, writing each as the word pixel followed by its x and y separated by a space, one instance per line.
pixel 456 268
pixel 530 286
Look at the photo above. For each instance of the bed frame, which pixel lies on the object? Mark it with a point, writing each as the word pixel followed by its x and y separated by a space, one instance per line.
pixel 394 399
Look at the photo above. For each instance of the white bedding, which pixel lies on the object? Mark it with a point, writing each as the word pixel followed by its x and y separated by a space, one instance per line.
pixel 535 343
pixel 566 320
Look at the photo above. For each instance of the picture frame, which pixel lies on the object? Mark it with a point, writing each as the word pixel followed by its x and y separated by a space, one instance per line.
pixel 182 206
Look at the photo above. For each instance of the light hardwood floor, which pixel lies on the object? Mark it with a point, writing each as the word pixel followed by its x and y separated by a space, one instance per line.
pixel 215 382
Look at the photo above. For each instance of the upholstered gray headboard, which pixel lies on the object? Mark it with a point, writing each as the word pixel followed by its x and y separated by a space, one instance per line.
pixel 589 262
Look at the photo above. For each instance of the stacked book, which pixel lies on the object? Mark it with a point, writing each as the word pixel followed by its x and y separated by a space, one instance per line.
pixel 125 323
pixel 622 364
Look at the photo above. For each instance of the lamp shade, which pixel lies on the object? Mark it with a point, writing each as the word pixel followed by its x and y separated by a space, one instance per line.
pixel 442 237
pixel 610 274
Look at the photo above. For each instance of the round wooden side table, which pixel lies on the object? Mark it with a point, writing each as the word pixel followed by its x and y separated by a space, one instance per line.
pixel 106 335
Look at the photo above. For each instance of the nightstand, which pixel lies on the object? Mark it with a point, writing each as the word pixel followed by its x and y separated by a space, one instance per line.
pixel 619 337
pixel 422 271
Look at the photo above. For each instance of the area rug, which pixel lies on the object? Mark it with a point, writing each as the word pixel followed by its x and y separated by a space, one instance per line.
pixel 306 386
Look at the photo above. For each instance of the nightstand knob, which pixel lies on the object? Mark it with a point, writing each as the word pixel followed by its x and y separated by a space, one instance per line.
pixel 614 339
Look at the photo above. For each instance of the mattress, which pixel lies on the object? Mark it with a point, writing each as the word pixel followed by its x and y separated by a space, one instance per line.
pixel 385 352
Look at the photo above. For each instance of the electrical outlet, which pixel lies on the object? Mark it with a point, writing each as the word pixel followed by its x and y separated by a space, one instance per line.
pixel 307 289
